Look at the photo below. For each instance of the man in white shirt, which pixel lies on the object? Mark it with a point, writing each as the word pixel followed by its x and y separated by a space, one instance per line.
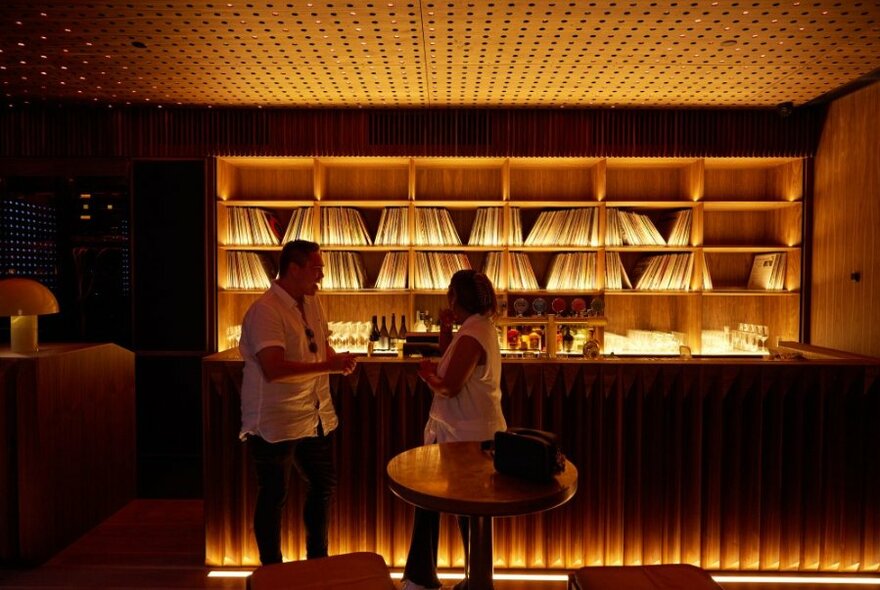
pixel 286 409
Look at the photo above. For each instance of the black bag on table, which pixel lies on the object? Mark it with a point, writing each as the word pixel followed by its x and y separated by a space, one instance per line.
pixel 528 453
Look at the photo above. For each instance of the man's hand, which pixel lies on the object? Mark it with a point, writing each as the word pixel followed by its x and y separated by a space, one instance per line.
pixel 342 363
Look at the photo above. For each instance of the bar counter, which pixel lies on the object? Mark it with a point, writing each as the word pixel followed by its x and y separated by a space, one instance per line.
pixel 727 464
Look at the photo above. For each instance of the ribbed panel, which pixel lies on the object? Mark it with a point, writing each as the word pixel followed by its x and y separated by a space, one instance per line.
pixel 72 131
pixel 730 467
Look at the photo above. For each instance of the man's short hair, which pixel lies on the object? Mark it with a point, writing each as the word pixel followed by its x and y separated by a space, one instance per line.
pixel 296 252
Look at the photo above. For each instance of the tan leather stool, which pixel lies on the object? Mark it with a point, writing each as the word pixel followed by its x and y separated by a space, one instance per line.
pixel 648 577
pixel 352 571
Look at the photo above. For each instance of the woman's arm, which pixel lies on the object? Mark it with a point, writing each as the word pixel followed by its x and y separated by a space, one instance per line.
pixel 467 355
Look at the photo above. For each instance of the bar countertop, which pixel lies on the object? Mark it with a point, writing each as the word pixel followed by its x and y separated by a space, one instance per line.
pixel 788 353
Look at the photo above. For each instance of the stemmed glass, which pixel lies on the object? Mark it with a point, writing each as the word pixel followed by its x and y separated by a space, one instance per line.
pixel 763 335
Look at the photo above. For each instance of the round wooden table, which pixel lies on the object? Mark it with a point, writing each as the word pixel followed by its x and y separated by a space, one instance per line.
pixel 460 478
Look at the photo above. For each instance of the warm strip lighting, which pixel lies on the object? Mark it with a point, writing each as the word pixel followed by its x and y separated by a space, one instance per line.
pixel 557 577
pixel 230 573
pixel 834 580
pixel 720 578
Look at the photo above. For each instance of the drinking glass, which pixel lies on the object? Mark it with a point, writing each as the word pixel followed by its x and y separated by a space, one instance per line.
pixel 763 335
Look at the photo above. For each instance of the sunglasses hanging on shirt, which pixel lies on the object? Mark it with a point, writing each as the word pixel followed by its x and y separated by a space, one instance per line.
pixel 313 346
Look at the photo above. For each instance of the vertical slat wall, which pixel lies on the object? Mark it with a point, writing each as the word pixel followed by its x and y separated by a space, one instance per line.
pixel 846 230
pixel 745 466
pixel 71 131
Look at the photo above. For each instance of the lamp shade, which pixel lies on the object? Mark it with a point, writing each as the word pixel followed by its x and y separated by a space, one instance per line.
pixel 25 297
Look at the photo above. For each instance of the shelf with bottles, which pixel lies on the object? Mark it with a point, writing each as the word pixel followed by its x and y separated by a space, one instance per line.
pixel 551 335
pixel 653 179
pixel 525 317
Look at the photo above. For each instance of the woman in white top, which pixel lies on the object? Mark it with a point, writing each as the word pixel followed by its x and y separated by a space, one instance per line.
pixel 466 406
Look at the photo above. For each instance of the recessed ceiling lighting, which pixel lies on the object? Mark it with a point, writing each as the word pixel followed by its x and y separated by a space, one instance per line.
pixel 728 42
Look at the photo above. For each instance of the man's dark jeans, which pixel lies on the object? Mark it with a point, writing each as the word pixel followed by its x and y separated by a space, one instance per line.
pixel 313 459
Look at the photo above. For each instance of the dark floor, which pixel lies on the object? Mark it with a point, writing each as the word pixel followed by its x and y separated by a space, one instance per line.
pixel 157 544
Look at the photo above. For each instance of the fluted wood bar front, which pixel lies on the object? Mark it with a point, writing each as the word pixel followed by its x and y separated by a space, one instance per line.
pixel 67 460
pixel 723 464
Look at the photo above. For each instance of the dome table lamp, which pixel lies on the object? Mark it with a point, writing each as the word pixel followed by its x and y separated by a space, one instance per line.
pixel 23 300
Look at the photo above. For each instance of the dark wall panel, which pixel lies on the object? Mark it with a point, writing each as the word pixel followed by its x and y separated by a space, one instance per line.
pixel 169 261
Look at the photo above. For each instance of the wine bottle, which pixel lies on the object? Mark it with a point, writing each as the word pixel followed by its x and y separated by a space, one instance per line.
pixel 384 343
pixel 374 331
pixel 402 333
pixel 392 333
pixel 373 339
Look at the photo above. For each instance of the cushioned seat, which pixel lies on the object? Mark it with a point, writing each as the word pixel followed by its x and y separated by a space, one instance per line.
pixel 352 571
pixel 649 577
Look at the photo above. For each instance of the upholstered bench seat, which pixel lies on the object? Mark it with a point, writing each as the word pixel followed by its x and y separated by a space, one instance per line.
pixel 350 571
pixel 649 577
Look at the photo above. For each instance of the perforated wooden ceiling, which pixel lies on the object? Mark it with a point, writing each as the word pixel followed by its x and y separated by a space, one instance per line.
pixel 430 53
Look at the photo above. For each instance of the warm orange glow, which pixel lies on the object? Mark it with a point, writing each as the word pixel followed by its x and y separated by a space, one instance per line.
pixel 562 577
pixel 230 573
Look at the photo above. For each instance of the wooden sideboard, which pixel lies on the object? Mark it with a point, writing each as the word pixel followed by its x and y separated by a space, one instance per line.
pixel 724 464
pixel 67 459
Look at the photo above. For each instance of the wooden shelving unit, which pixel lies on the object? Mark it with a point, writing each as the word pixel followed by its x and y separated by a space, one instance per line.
pixel 739 207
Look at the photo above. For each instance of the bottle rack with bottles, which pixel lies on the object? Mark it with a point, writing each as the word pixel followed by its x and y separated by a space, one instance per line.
pixel 726 210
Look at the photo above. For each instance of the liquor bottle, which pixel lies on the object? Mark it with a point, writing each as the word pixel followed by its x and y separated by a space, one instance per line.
pixel 591 346
pixel 567 339
pixel 513 341
pixel 535 339
pixel 419 325
pixel 384 343
pixel 392 334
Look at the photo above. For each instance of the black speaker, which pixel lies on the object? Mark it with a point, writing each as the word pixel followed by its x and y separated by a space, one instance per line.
pixel 168 255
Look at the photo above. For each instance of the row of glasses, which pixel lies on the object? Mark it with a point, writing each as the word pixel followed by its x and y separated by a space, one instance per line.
pixel 349 336
pixel 748 337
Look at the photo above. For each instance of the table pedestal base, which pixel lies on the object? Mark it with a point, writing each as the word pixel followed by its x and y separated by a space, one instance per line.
pixel 478 565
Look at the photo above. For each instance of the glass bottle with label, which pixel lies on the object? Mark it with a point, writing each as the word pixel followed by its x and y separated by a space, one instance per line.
pixel 374 336
pixel 591 346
